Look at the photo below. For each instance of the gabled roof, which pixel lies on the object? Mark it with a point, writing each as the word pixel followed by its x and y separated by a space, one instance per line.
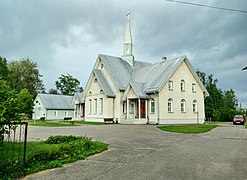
pixel 78 98
pixel 103 83
pixel 138 88
pixel 119 69
pixel 154 75
pixel 144 78
pixel 52 101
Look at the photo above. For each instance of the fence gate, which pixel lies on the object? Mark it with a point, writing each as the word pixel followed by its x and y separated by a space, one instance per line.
pixel 13 139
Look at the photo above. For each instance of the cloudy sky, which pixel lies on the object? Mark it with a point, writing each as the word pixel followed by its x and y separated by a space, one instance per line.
pixel 66 36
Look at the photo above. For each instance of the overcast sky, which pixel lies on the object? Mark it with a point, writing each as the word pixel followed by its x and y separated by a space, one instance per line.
pixel 66 36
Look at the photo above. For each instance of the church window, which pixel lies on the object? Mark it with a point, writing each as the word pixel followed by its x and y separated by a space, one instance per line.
pixel 170 105
pixel 194 106
pixel 95 106
pixel 183 106
pixel 101 105
pixel 101 66
pixel 182 84
pixel 124 107
pixel 90 106
pixel 95 80
pixel 132 106
pixel 170 85
pixel 193 87
pixel 152 106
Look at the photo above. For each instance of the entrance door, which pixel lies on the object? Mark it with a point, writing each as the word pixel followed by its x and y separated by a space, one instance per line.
pixel 143 109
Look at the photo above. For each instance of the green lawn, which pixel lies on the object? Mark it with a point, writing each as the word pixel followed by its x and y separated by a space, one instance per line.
pixel 48 123
pixel 93 123
pixel 54 152
pixel 192 128
pixel 60 123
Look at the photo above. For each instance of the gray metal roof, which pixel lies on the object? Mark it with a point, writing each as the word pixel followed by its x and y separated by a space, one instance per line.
pixel 78 97
pixel 52 101
pixel 120 70
pixel 103 83
pixel 144 77
pixel 154 75
pixel 139 89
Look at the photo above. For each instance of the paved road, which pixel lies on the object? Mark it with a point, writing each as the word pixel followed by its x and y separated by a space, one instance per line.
pixel 145 152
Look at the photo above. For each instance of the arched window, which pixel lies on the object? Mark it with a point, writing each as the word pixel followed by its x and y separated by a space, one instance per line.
pixel 183 105
pixel 182 84
pixel 170 105
pixel 194 106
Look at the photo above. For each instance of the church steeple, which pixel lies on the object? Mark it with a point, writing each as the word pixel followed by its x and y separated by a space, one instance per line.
pixel 127 55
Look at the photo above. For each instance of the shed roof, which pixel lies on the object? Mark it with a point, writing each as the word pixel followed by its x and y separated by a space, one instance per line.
pixel 52 101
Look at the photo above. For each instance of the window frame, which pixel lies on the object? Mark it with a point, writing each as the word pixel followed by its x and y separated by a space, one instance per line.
pixel 182 85
pixel 170 105
pixel 183 106
pixel 95 106
pixel 101 105
pixel 194 106
pixel 152 106
pixel 90 106
pixel 194 87
pixel 170 85
pixel 132 107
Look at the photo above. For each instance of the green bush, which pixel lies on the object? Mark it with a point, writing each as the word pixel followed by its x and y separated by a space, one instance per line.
pixel 63 139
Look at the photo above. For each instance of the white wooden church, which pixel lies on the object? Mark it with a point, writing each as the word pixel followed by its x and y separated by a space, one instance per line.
pixel 135 92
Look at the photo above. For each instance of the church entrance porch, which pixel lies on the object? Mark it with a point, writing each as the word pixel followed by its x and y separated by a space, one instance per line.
pixel 136 111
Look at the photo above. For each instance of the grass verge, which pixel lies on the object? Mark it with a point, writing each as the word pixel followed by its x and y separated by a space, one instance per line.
pixel 60 123
pixel 54 152
pixel 192 128
pixel 47 123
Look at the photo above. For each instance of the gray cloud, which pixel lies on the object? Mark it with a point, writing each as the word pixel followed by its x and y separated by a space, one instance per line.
pixel 66 36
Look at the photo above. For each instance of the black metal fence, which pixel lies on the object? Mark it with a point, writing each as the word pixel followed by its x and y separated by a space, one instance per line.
pixel 13 139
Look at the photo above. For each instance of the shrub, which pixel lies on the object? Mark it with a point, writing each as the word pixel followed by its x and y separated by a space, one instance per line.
pixel 63 139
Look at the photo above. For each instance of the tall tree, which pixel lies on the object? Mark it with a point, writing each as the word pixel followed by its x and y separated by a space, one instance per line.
pixel 219 106
pixel 67 84
pixel 24 74
pixel 4 72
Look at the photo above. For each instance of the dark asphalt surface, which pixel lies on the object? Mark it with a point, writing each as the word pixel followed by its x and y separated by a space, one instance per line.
pixel 145 152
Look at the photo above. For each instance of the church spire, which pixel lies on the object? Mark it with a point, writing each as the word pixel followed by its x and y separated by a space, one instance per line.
pixel 128 42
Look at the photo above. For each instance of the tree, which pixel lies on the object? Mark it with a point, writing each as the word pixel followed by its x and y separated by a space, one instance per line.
pixel 4 72
pixel 219 105
pixel 13 105
pixel 24 74
pixel 53 91
pixel 68 84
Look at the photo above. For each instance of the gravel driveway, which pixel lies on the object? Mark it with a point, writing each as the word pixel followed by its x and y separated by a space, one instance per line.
pixel 145 152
